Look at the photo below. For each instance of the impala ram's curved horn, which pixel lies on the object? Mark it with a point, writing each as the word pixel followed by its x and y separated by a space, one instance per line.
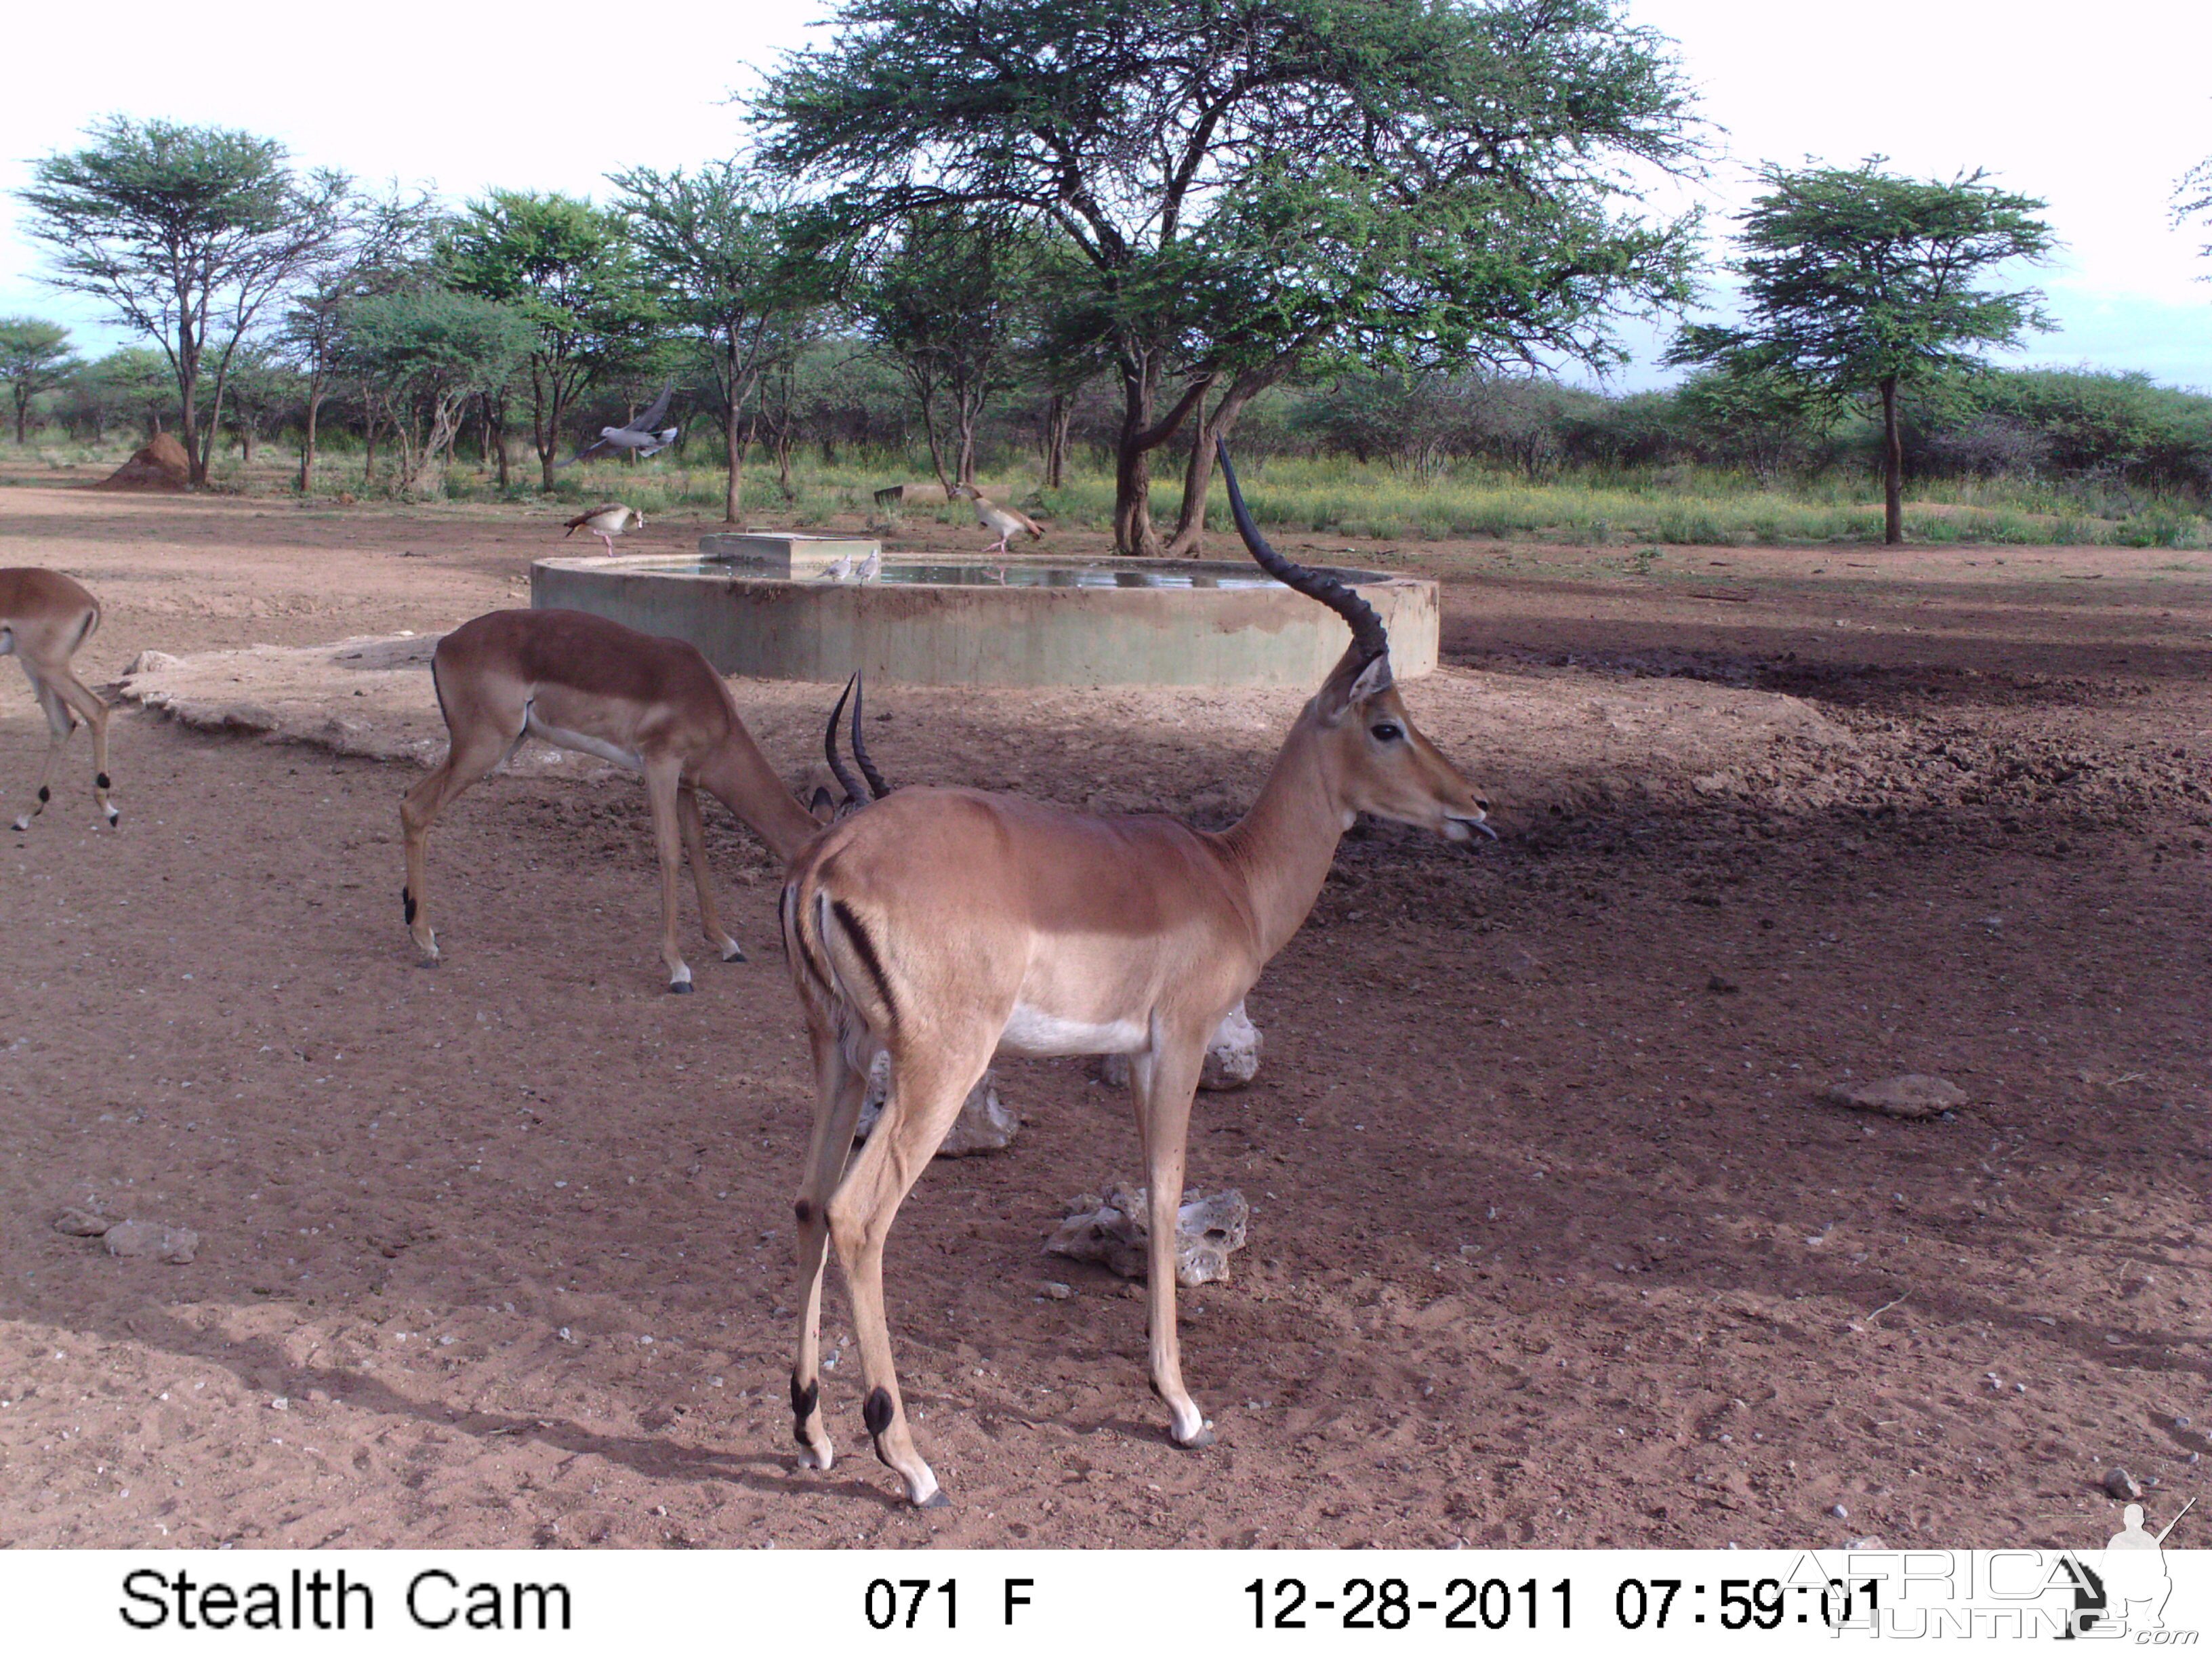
pixel 846 781
pixel 1367 632
pixel 860 750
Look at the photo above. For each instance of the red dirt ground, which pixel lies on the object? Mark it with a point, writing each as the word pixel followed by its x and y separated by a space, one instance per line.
pixel 1554 1239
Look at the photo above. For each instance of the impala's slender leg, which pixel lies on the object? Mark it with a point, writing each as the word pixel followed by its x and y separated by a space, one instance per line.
pixel 58 692
pixel 1163 1079
pixel 695 848
pixel 843 1087
pixel 928 1084
pixel 476 746
pixel 663 776
pixel 59 724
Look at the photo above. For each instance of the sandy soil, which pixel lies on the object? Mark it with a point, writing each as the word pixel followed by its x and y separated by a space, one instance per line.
pixel 1555 1240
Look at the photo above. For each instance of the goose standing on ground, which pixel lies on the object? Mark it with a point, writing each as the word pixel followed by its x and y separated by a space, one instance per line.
pixel 639 437
pixel 1004 519
pixel 606 522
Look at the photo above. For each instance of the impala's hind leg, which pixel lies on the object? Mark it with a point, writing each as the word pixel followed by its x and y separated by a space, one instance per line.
pixel 59 724
pixel 927 1092
pixel 61 686
pixel 842 1087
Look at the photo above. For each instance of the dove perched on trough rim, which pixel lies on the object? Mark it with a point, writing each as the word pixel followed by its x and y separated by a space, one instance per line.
pixel 606 522
pixel 639 435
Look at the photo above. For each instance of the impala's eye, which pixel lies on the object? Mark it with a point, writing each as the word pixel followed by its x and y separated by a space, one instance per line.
pixel 1387 731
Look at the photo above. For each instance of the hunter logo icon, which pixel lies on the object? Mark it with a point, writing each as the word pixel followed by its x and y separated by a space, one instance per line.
pixel 2128 1588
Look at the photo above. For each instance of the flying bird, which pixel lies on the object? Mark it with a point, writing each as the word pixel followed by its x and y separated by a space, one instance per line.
pixel 606 522
pixel 1004 519
pixel 639 435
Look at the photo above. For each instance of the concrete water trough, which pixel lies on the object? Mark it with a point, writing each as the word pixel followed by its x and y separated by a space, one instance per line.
pixel 974 622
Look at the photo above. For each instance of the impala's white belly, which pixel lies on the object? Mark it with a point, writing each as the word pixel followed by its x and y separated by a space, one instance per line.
pixel 1038 1034
pixel 562 738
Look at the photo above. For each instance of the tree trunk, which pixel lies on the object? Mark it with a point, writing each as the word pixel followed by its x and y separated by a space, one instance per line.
pixel 733 487
pixel 22 411
pixel 1892 467
pixel 928 399
pixel 495 435
pixel 1059 414
pixel 307 439
pixel 1189 538
pixel 1134 536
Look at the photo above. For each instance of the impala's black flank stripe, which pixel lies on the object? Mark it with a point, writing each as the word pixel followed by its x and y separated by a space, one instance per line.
pixel 869 959
pixel 794 932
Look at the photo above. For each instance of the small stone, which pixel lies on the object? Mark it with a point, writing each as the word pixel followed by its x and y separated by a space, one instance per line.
pixel 151 662
pixel 82 1224
pixel 1513 963
pixel 1720 987
pixel 1839 1512
pixel 280 1404
pixel 173 1244
pixel 1053 1290
pixel 1909 1095
pixel 2120 1484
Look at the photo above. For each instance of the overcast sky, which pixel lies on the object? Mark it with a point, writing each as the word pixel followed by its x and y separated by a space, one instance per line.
pixel 2097 110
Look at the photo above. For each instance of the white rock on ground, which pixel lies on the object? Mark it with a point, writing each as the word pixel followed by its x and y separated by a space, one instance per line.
pixel 985 1124
pixel 1912 1095
pixel 1115 1231
pixel 1232 1057
pixel 177 1244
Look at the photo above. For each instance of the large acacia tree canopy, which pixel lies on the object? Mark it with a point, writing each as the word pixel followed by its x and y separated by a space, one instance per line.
pixel 1247 187
pixel 1232 171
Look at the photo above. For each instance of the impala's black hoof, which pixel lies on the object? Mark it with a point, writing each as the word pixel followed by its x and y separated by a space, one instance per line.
pixel 936 1500
pixel 682 987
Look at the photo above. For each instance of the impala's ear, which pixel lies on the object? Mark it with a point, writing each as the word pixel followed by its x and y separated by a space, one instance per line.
pixel 1352 681
pixel 1376 677
pixel 823 806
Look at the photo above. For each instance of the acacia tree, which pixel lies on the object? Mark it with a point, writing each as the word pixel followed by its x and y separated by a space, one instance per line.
pixel 948 304
pixel 1858 284
pixel 1247 182
pixel 381 243
pixel 185 233
pixel 131 384
pixel 728 268
pixel 421 354
pixel 570 270
pixel 35 358
pixel 261 383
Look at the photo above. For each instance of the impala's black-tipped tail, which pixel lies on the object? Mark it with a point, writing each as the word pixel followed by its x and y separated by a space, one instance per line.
pixel 1367 631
